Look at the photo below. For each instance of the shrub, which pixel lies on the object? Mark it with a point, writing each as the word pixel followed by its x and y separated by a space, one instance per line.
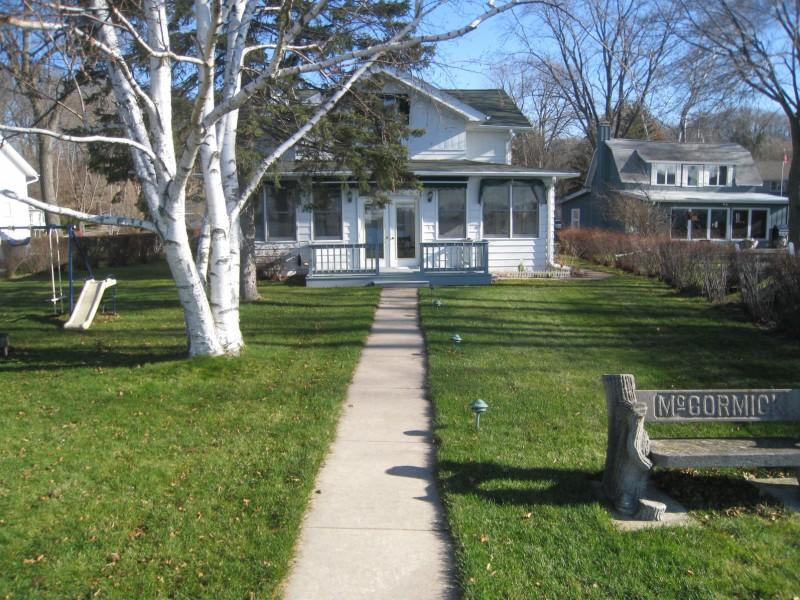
pixel 679 266
pixel 714 270
pixel 752 271
pixel 787 293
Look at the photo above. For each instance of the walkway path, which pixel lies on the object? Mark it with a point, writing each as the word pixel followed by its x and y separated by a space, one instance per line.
pixel 375 528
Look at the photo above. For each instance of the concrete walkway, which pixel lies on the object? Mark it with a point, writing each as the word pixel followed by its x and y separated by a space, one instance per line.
pixel 375 528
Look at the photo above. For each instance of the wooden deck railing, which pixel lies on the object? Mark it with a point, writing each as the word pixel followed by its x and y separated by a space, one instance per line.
pixel 344 259
pixel 455 256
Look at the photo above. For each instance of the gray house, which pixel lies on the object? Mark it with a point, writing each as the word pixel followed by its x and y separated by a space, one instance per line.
pixel 775 174
pixel 708 191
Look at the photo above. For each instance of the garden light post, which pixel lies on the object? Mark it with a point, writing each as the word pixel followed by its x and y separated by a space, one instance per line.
pixel 479 407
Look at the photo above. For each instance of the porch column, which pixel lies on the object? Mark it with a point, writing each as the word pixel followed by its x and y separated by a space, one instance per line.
pixel 550 186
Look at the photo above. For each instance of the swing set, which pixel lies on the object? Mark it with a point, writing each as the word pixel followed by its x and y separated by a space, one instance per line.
pixel 83 311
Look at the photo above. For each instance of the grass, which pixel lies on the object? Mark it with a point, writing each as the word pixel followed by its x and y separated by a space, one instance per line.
pixel 517 494
pixel 129 471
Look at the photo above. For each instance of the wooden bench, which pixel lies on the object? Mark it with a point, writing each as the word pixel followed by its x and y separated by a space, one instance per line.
pixel 631 454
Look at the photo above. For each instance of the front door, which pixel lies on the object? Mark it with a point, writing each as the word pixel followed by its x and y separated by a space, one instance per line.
pixel 403 234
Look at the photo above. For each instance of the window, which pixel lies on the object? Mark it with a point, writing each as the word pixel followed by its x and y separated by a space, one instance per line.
pixel 495 198
pixel 691 175
pixel 452 212
pixel 719 224
pixel 718 175
pixel 328 212
pixel 750 223
pixel 398 104
pixel 699 224
pixel 575 217
pixel 282 214
pixel 665 174
pixel 740 224
pixel 758 224
pixel 511 208
pixel 680 224
pixel 525 210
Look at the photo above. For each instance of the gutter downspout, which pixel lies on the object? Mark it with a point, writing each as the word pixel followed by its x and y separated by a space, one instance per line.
pixel 550 187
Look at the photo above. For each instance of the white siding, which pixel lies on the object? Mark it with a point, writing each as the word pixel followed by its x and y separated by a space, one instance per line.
pixel 13 212
pixel 474 210
pixel 489 145
pixel 445 131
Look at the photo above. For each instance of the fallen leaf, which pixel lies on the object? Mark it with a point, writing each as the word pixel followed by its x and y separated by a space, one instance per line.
pixel 527 515
pixel 484 538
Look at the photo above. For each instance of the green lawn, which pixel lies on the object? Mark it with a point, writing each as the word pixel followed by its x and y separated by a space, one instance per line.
pixel 129 471
pixel 518 495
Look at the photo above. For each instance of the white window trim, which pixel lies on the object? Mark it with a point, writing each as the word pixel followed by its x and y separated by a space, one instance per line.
pixel 685 174
pixel 511 235
pixel 314 237
pixel 267 239
pixel 654 174
pixel 707 175
pixel 466 221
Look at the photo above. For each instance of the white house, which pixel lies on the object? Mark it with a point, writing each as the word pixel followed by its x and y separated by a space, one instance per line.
pixel 15 175
pixel 476 214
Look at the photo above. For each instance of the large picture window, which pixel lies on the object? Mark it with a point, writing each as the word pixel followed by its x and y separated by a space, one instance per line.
pixel 718 227
pixel 328 212
pixel 281 213
pixel 511 208
pixel 750 223
pixel 680 224
pixel 452 209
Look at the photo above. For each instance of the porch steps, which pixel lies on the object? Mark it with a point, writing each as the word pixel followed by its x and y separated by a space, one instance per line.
pixel 400 280
pixel 402 283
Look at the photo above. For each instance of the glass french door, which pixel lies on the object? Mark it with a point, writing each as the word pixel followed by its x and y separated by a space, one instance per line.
pixel 404 234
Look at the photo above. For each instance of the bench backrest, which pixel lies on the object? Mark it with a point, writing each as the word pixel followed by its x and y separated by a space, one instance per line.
pixel 676 406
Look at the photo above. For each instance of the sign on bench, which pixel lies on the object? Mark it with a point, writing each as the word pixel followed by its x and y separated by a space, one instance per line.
pixel 631 454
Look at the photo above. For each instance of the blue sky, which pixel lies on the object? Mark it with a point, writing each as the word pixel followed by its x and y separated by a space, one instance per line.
pixel 467 61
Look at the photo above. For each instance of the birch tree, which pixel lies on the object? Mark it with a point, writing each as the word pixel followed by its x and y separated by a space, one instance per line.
pixel 207 44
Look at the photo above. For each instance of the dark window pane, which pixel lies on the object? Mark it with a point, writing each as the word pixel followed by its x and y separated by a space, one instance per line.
pixel 739 224
pixel 758 224
pixel 328 213
pixel 699 219
pixel 680 224
pixel 258 217
pixel 525 205
pixel 496 213
pixel 719 224
pixel 452 213
pixel 692 174
pixel 282 214
pixel 723 176
pixel 713 175
pixel 671 170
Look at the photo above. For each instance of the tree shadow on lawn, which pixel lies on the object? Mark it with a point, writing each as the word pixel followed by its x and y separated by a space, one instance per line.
pixel 548 486
pixel 22 359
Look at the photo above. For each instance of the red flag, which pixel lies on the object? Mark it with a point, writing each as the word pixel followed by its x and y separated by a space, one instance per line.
pixel 785 158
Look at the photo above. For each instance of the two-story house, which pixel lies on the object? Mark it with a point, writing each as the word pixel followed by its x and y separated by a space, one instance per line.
pixel 473 214
pixel 707 191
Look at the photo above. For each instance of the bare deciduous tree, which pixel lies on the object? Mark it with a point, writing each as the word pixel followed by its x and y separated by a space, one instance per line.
pixel 607 60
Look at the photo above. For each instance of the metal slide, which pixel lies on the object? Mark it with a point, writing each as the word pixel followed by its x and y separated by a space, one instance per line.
pixel 88 303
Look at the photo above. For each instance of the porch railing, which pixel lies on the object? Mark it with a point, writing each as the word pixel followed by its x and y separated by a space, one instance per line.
pixel 345 259
pixel 455 256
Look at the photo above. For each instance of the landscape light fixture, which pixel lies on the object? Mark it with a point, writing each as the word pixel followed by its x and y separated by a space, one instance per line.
pixel 456 339
pixel 437 303
pixel 478 407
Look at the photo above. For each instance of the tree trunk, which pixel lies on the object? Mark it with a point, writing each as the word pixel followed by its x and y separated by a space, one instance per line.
pixel 794 182
pixel 248 275
pixel 47 172
pixel 201 331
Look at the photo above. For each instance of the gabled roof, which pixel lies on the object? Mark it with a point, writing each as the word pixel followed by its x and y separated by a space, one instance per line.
pixel 495 104
pixel 30 173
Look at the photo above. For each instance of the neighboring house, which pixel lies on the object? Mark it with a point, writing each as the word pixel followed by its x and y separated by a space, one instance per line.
pixel 775 175
pixel 15 175
pixel 708 191
pixel 475 213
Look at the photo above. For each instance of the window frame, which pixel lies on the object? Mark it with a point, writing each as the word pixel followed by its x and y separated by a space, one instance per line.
pixel 666 166
pixel 290 189
pixel 709 213
pixel 685 174
pixel 719 167
pixel 750 211
pixel 510 184
pixel 314 211
pixel 436 191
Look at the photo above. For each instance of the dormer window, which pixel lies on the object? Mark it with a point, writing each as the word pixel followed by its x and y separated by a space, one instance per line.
pixel 691 175
pixel 666 174
pixel 719 175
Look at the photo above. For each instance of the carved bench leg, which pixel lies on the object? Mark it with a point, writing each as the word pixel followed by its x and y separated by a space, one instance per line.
pixel 627 468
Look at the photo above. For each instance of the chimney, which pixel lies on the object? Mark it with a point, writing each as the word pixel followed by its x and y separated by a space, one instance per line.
pixel 602 155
